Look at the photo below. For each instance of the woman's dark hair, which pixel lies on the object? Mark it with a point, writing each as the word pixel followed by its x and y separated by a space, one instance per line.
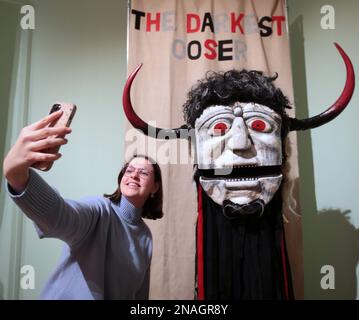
pixel 225 88
pixel 152 208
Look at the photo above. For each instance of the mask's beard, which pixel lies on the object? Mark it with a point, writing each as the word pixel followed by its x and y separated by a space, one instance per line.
pixel 233 210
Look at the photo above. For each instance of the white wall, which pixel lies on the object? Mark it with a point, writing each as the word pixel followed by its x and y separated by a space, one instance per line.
pixel 327 155
pixel 78 54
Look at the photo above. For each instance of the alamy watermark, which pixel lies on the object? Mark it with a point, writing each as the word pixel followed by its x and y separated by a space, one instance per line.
pixel 27 277
pixel 327 22
pixel 328 280
pixel 166 147
pixel 27 21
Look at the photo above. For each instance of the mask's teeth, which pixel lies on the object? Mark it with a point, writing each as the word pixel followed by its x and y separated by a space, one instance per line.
pixel 241 166
pixel 241 179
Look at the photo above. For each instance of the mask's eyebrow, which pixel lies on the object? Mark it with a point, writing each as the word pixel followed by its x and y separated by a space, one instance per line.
pixel 209 114
pixel 271 115
pixel 258 108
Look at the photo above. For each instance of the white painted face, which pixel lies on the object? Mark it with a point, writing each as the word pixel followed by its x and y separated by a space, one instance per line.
pixel 243 135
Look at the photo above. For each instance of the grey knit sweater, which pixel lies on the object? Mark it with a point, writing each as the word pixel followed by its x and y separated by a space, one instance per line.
pixel 108 247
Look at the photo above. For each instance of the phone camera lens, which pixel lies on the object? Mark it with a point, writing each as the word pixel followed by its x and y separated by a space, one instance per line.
pixel 55 107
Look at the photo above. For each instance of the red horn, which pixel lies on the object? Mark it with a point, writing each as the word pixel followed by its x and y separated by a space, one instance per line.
pixel 138 123
pixel 337 107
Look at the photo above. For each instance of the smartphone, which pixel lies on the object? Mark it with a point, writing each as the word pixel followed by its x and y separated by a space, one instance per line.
pixel 69 110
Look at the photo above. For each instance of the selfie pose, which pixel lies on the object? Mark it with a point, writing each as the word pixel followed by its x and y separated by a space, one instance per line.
pixel 108 246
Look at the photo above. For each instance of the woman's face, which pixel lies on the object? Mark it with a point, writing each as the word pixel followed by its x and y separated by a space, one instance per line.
pixel 138 181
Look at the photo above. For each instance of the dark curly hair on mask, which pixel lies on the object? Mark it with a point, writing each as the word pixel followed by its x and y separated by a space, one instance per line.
pixel 225 88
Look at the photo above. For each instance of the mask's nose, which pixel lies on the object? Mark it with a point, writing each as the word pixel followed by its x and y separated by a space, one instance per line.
pixel 239 139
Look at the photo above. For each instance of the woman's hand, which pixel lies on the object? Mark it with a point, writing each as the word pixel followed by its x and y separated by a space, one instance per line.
pixel 27 150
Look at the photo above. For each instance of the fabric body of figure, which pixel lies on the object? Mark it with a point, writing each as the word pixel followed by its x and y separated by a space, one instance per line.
pixel 243 258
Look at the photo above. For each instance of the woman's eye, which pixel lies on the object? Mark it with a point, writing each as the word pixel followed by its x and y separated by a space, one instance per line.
pixel 260 125
pixel 219 129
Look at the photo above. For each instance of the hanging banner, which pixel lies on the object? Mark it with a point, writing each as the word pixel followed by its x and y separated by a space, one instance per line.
pixel 178 42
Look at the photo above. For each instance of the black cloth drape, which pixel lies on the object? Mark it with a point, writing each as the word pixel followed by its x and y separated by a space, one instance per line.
pixel 245 258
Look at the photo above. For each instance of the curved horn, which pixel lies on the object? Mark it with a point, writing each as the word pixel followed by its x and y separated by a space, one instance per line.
pixel 138 123
pixel 336 108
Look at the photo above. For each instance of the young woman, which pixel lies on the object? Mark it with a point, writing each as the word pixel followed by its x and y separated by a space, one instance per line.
pixel 108 246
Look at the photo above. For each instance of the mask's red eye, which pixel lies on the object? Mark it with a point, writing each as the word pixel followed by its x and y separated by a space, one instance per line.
pixel 258 125
pixel 220 128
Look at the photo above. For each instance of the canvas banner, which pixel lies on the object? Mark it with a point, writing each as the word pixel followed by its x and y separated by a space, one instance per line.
pixel 178 41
